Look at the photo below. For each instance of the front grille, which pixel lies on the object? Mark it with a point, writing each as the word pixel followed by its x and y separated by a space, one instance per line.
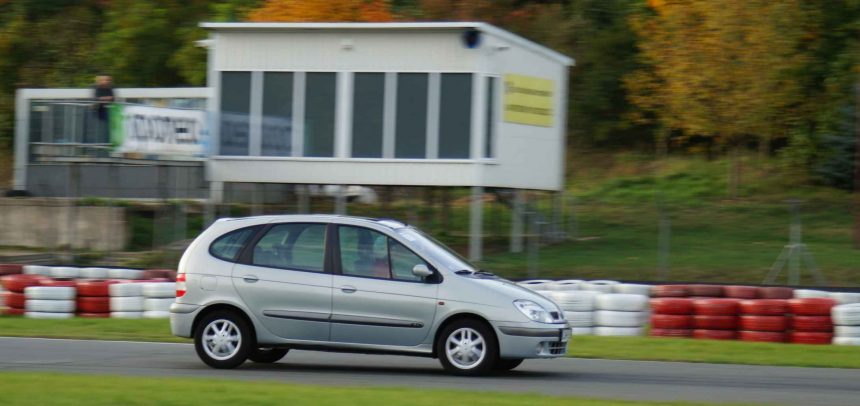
pixel 557 348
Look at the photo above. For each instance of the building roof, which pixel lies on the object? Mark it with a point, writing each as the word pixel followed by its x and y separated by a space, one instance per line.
pixel 484 27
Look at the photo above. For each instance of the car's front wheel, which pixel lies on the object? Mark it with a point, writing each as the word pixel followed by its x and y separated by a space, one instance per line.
pixel 467 347
pixel 267 355
pixel 223 340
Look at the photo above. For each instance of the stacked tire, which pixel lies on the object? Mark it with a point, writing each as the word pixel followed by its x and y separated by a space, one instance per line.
pixel 158 296
pixel 126 300
pixel 536 284
pixel 763 320
pixel 94 297
pixel 811 322
pixel 50 302
pixel 14 297
pixel 715 318
pixel 846 318
pixel 672 316
pixel 578 307
pixel 620 314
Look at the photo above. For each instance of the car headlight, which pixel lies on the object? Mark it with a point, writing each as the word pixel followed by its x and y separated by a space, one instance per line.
pixel 533 311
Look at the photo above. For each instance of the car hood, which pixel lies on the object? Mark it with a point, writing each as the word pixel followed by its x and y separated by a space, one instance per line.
pixel 505 291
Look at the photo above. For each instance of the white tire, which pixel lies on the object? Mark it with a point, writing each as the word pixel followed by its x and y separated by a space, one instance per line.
pixel 609 318
pixel 632 288
pixel 621 302
pixel 48 315
pixel 65 272
pixel 535 284
pixel 582 331
pixel 50 306
pixel 574 300
pixel 846 315
pixel 156 315
pixel 126 315
pixel 846 331
pixel 122 273
pixel 808 293
pixel 37 270
pixel 126 289
pixel 618 331
pixel 49 292
pixel 157 304
pixel 126 304
pixel 846 340
pixel 845 297
pixel 569 284
pixel 95 273
pixel 598 286
pixel 159 289
pixel 579 319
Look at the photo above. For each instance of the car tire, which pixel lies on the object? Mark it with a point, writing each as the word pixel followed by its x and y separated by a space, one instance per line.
pixel 507 364
pixel 267 355
pixel 224 325
pixel 468 332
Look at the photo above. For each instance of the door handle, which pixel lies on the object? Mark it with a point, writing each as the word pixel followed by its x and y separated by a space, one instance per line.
pixel 250 278
pixel 348 289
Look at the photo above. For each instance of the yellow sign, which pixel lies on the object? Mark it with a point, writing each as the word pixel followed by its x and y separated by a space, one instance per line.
pixel 528 100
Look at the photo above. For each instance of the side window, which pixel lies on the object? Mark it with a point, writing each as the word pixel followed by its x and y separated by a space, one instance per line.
pixel 227 246
pixel 292 246
pixel 402 262
pixel 363 252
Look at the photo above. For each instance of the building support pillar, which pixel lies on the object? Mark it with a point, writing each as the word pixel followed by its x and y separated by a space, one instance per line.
pixel 304 199
pixel 340 200
pixel 476 220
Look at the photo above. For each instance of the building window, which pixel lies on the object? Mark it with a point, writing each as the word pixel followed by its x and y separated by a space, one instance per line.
pixel 490 117
pixel 411 119
pixel 368 103
pixel 277 130
pixel 455 115
pixel 320 91
pixel 235 109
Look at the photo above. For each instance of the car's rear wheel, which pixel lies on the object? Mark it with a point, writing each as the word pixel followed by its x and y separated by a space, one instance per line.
pixel 508 364
pixel 467 347
pixel 267 355
pixel 223 340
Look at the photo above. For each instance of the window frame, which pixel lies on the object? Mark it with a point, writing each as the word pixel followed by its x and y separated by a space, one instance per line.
pixel 238 255
pixel 247 255
pixel 337 268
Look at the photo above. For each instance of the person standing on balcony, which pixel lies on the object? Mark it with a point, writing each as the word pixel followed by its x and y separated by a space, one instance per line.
pixel 103 95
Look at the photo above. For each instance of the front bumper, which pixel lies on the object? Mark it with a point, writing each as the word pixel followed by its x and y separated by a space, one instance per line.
pixel 532 340
pixel 182 319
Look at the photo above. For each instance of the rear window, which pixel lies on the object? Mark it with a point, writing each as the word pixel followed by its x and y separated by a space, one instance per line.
pixel 228 246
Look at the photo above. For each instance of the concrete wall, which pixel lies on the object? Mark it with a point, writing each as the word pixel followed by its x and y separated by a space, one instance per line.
pixel 53 223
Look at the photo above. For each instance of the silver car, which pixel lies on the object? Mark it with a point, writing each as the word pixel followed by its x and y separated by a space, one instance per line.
pixel 254 288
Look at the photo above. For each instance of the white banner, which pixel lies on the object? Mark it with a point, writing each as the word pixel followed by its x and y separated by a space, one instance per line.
pixel 160 130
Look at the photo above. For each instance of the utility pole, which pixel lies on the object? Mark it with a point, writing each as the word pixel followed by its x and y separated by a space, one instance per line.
pixel 856 193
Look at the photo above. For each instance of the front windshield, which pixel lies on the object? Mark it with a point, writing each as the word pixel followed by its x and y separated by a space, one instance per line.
pixel 435 250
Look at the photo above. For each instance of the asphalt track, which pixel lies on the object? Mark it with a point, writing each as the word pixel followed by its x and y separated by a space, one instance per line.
pixel 638 380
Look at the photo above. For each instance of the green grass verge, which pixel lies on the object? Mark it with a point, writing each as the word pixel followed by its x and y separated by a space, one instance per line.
pixel 62 389
pixel 629 348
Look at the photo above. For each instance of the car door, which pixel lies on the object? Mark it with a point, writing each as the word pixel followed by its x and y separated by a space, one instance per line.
pixel 375 297
pixel 284 279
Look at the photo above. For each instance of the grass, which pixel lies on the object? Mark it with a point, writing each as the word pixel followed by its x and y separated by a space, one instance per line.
pixel 60 389
pixel 629 348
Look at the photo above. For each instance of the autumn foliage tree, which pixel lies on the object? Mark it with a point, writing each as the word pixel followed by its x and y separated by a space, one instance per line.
pixel 322 11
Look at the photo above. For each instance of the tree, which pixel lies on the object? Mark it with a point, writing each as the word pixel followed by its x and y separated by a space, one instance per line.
pixel 322 11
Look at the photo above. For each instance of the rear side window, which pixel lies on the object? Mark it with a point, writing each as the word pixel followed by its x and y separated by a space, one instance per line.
pixel 227 246
pixel 292 246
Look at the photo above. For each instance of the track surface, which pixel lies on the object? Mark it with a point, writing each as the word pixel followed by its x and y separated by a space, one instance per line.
pixel 642 380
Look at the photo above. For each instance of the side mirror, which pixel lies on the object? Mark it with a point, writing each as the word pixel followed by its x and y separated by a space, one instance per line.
pixel 421 271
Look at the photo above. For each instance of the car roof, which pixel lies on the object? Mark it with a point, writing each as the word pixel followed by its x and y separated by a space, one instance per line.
pixel 326 218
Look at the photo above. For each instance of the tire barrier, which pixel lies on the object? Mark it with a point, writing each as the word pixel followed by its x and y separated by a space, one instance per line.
pixel 59 283
pixel 672 306
pixel 569 284
pixel 812 324
pixel 166 274
pixel 632 288
pixel 671 332
pixel 14 300
pixel 741 292
pixel 764 323
pixel 601 286
pixel 813 306
pixel 671 322
pixel 716 307
pixel 810 337
pixel 762 336
pixel 65 272
pixel 94 287
pixel 764 307
pixel 610 318
pixel 151 304
pixel 582 331
pixel 50 306
pixel 94 315
pixel 10 311
pixel 37 270
pixel 49 292
pixel 618 331
pixel 573 300
pixel 775 292
pixel 126 304
pixel 11 269
pixel 126 315
pixel 846 318
pixel 810 293
pixel 703 334
pixel 845 297
pixel 159 290
pixel 579 319
pixel 623 302
pixel 705 290
pixel 125 289
pixel 17 283
pixel 122 273
pixel 620 310
pixel 94 273
pixel 93 305
pixel 709 322
pixel 156 314
pixel 846 340
pixel 48 315
pixel 670 291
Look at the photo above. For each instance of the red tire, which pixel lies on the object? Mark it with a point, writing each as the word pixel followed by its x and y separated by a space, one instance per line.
pixel 94 287
pixel 762 336
pixel 716 307
pixel 9 311
pixel 58 283
pixel 813 306
pixel 810 337
pixel 11 269
pixel 703 322
pixel 168 274
pixel 17 283
pixel 764 307
pixel 668 332
pixel 775 292
pixel 764 323
pixel 705 290
pixel 15 300
pixel 672 305
pixel 822 324
pixel 93 315
pixel 670 291
pixel 93 304
pixel 741 292
pixel 671 321
pixel 715 334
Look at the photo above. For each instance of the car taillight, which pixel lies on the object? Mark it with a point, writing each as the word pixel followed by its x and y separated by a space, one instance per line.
pixel 180 285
